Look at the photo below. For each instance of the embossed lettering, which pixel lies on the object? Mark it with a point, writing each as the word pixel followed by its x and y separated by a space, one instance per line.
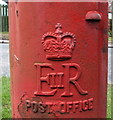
pixel 73 80
pixel 85 105
pixel 69 106
pixel 41 107
pixel 75 106
pixel 60 76
pixel 35 106
pixel 57 80
pixel 90 103
pixel 62 107
pixel 80 106
pixel 43 79
pixel 28 104
pixel 49 105
pixel 52 77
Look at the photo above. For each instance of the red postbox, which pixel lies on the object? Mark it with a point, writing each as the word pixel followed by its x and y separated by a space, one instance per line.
pixel 58 59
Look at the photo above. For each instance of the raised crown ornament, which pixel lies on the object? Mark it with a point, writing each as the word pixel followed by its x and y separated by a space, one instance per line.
pixel 58 45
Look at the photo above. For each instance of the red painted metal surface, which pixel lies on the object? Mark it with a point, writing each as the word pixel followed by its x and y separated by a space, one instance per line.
pixel 58 59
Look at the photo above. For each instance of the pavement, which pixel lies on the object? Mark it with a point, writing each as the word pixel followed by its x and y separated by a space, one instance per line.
pixel 4 41
pixel 110 44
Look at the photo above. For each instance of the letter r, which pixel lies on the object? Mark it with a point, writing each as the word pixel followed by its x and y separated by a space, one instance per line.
pixel 72 80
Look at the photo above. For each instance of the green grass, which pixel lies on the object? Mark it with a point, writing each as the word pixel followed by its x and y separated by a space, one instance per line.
pixel 6 102
pixel 110 39
pixel 4 35
pixel 0 98
pixel 109 102
pixel 4 32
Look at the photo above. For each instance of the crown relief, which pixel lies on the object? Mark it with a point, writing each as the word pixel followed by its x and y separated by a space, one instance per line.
pixel 58 45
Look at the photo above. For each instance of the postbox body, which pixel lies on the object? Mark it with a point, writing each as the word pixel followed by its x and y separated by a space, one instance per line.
pixel 58 59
